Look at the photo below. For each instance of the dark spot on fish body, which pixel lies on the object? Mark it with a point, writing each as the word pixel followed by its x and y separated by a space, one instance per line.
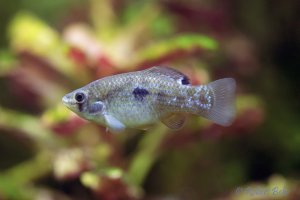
pixel 140 93
pixel 185 81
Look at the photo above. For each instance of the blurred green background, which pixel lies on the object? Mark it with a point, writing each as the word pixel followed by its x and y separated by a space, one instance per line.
pixel 49 48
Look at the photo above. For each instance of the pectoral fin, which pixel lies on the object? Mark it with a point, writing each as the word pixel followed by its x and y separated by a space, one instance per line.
pixel 174 121
pixel 113 124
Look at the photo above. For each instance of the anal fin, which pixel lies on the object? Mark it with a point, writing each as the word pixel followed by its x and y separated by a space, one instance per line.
pixel 174 121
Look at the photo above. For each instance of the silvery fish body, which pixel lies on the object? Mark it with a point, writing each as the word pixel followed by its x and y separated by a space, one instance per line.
pixel 140 99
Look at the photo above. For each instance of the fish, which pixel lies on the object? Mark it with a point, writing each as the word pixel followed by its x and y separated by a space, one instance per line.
pixel 139 99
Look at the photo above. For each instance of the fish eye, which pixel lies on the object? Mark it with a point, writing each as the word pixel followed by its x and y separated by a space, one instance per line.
pixel 80 97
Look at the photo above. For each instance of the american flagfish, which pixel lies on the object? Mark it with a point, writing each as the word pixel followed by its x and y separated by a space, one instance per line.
pixel 142 98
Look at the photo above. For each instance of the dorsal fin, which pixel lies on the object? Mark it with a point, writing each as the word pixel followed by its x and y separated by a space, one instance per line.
pixel 171 73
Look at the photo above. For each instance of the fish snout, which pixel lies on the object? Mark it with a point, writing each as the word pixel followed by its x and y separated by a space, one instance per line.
pixel 66 100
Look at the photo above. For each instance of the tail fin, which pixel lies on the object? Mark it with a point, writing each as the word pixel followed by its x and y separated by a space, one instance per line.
pixel 223 108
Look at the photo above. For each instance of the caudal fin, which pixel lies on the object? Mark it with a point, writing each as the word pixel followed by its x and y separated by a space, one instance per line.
pixel 223 107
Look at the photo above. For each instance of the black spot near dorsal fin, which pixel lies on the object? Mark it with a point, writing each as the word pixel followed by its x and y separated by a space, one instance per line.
pixel 185 81
pixel 140 93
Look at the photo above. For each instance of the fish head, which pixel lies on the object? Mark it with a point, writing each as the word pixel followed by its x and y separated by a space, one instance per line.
pixel 85 104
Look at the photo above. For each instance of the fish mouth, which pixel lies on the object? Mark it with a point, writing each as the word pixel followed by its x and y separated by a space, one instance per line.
pixel 65 100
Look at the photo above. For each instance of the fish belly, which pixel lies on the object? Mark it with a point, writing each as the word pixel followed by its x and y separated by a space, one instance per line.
pixel 134 114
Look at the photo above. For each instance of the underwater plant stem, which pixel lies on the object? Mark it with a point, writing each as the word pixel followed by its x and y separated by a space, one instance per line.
pixel 148 151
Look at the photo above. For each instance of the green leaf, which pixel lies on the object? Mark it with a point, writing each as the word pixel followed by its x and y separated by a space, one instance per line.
pixel 28 32
pixel 7 62
pixel 182 43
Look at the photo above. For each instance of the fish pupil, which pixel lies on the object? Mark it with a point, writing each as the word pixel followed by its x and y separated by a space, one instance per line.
pixel 80 97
